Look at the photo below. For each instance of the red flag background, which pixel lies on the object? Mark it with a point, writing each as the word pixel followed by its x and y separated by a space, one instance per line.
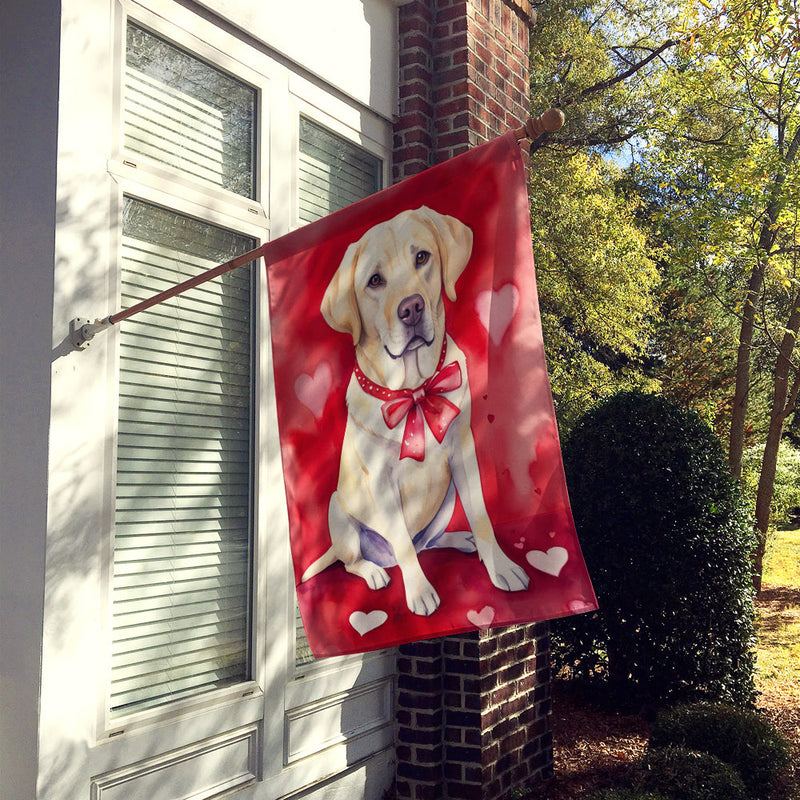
pixel 495 322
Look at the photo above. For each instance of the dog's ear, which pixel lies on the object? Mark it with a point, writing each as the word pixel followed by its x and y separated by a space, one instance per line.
pixel 455 247
pixel 339 307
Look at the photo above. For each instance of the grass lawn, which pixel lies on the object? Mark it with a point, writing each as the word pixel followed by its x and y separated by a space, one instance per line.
pixel 778 629
pixel 779 616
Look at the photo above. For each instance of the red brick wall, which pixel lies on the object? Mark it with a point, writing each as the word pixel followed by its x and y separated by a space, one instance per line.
pixel 473 714
pixel 463 77
pixel 472 710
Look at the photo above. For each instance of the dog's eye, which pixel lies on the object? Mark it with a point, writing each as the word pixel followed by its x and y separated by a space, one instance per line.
pixel 422 258
pixel 375 280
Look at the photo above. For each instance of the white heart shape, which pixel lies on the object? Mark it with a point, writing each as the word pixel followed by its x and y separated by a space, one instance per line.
pixel 364 623
pixel 312 390
pixel 550 562
pixel 482 618
pixel 496 309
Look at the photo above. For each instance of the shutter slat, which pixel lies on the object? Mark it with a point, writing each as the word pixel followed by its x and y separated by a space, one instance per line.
pixel 173 684
pixel 195 309
pixel 155 256
pixel 160 581
pixel 174 653
pixel 162 317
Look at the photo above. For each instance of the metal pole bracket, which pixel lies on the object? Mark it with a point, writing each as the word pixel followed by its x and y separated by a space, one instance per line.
pixel 82 330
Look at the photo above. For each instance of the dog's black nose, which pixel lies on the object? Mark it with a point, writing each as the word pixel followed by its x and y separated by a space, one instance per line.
pixel 410 310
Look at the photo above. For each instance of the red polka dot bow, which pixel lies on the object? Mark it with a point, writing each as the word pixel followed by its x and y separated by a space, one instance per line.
pixel 426 401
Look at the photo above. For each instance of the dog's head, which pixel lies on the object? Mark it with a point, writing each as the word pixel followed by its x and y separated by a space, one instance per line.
pixel 387 293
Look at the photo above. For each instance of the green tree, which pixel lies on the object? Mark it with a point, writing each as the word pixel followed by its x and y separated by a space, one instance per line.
pixel 597 278
pixel 596 281
pixel 724 157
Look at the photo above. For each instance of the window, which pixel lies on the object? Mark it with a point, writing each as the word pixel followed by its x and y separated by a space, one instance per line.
pixel 183 540
pixel 332 174
pixel 169 642
pixel 186 114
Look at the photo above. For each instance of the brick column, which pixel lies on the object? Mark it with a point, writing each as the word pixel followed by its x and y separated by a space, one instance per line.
pixel 473 714
pixel 463 77
pixel 473 711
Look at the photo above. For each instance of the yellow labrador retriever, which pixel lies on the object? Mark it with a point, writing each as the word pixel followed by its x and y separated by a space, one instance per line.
pixel 408 447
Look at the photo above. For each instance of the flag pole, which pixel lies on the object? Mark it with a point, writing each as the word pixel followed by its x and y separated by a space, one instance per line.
pixel 82 330
pixel 534 127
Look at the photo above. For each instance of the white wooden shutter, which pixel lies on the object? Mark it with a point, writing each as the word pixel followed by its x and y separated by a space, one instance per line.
pixel 184 113
pixel 332 173
pixel 182 542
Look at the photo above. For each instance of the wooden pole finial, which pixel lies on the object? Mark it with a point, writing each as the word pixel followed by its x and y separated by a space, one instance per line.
pixel 534 127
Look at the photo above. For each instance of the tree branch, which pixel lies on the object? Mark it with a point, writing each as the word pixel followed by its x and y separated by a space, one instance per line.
pixel 601 86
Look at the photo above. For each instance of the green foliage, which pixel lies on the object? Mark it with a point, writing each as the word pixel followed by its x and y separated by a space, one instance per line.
pixel 590 57
pixel 683 774
pixel 719 173
pixel 786 489
pixel 596 274
pixel 596 282
pixel 741 738
pixel 666 539
pixel 695 340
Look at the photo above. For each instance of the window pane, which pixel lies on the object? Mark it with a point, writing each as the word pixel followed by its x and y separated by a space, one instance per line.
pixel 182 541
pixel 333 173
pixel 182 112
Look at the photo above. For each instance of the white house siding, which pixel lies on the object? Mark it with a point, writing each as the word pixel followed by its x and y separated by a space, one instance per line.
pixel 28 106
pixel 325 731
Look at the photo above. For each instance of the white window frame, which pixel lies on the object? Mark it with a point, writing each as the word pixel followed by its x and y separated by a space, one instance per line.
pixel 137 177
pixel 307 688
pixel 280 693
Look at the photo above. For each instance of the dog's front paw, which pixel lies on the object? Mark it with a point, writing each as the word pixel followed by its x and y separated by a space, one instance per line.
pixel 422 598
pixel 375 575
pixel 504 573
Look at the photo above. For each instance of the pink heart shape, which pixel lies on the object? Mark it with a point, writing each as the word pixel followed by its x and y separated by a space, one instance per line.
pixel 482 618
pixel 496 309
pixel 312 390
pixel 550 562
pixel 364 623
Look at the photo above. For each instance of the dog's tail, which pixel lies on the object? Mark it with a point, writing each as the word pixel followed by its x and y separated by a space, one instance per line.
pixel 323 562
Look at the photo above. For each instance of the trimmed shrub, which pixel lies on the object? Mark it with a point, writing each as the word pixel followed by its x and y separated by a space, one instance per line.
pixel 741 738
pixel 667 540
pixel 683 774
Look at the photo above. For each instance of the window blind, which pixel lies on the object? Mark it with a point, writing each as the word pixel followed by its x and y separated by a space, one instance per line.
pixel 186 114
pixel 332 173
pixel 182 540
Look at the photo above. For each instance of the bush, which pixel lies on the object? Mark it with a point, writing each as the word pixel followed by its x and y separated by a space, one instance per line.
pixel 683 774
pixel 667 540
pixel 743 739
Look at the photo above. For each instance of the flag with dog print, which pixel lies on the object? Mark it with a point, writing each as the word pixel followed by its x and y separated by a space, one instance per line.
pixel 420 454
